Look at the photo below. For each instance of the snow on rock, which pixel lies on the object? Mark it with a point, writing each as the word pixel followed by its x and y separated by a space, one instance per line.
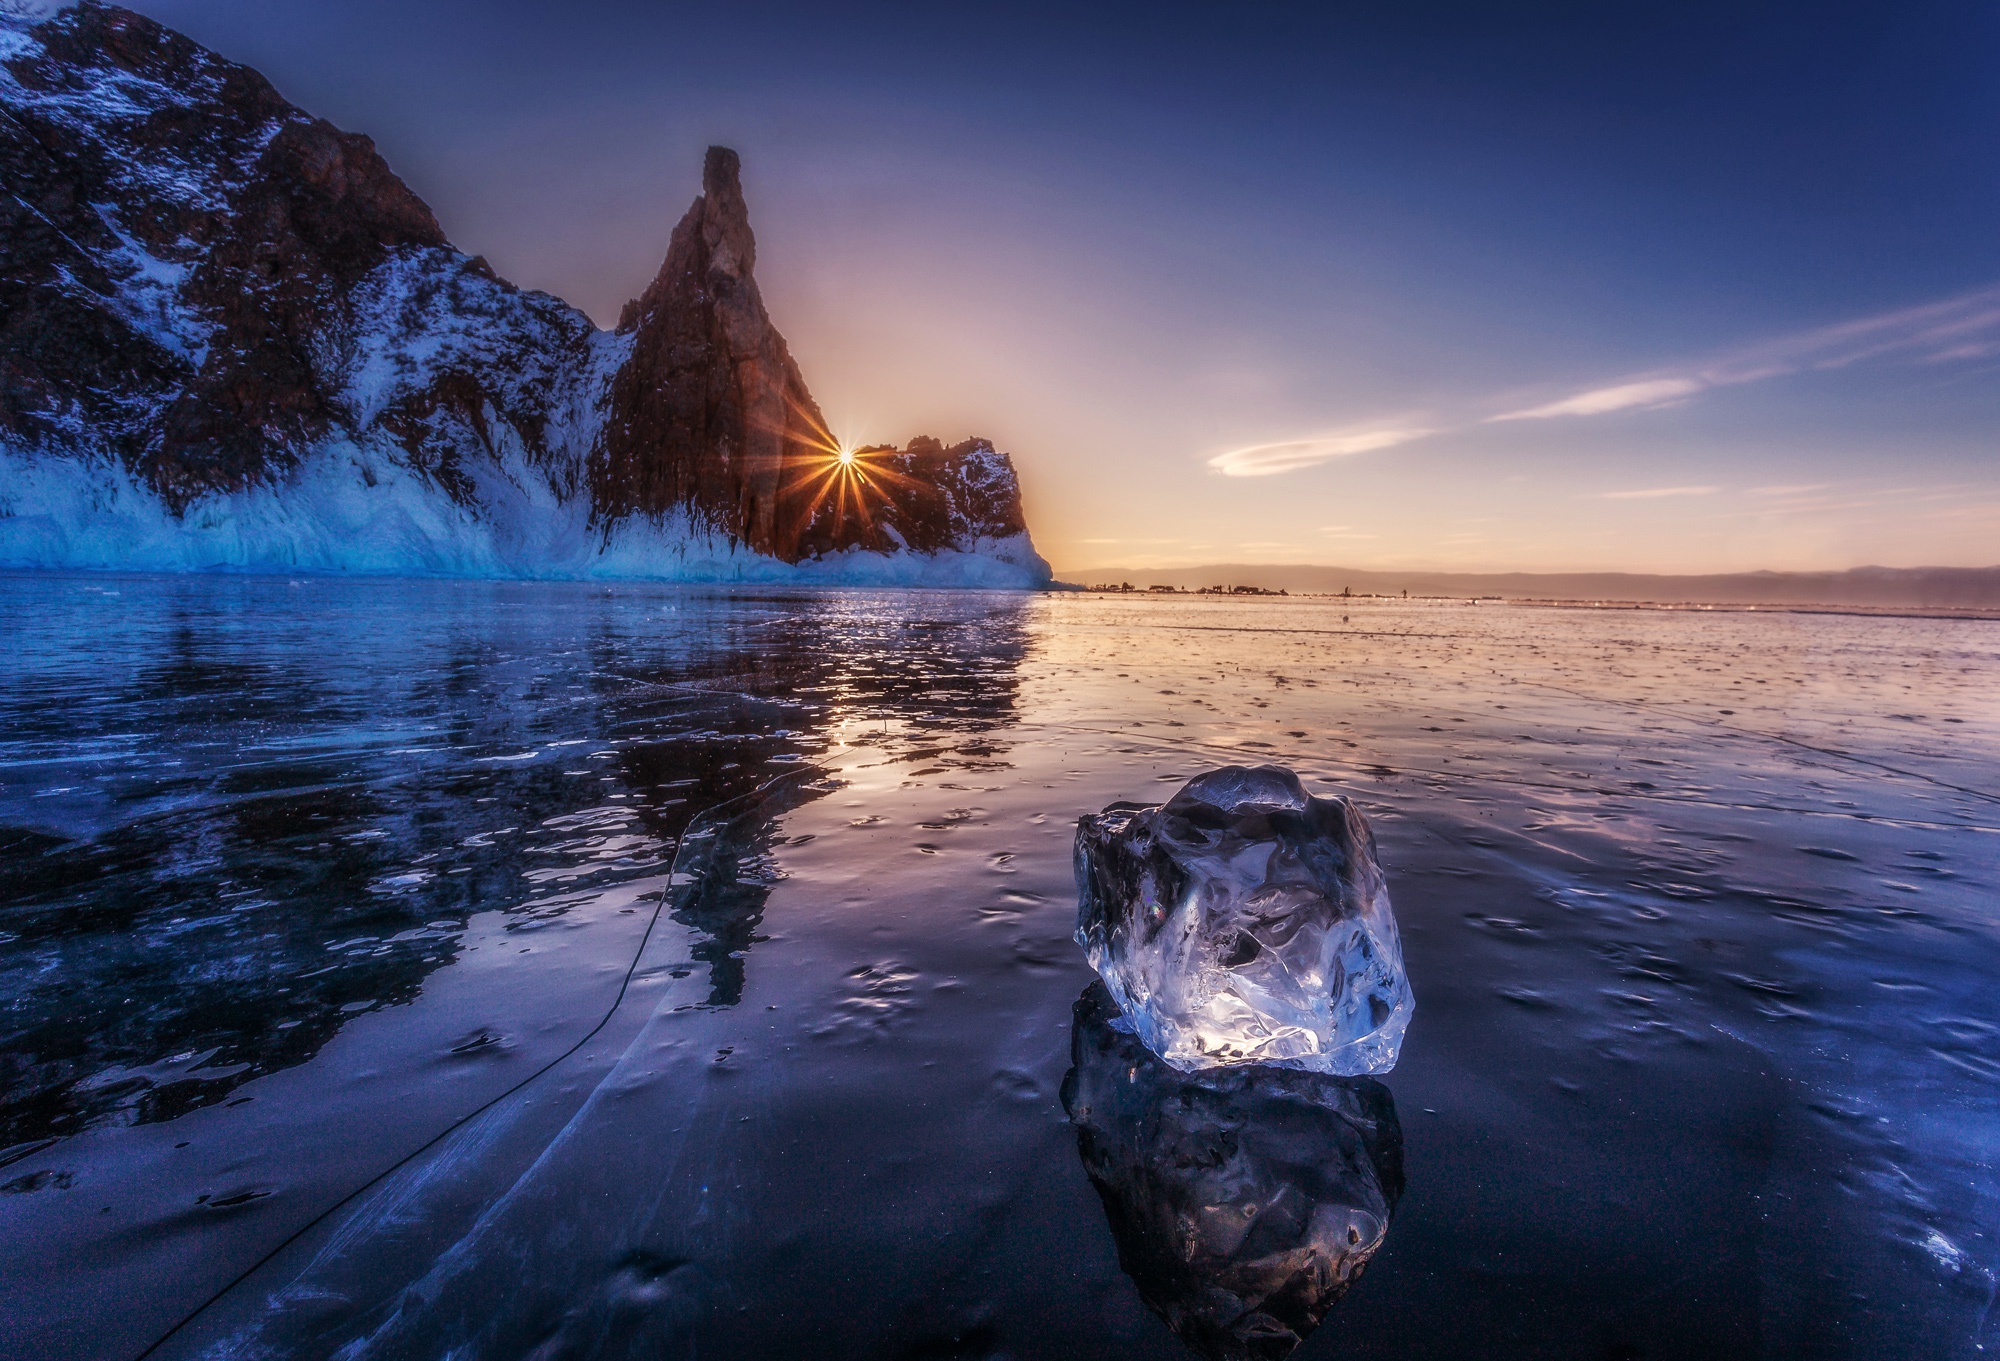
pixel 232 339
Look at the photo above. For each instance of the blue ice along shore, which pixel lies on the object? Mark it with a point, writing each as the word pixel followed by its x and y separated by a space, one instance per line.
pixel 350 510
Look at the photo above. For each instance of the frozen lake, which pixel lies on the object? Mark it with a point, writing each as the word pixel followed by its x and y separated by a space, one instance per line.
pixel 411 969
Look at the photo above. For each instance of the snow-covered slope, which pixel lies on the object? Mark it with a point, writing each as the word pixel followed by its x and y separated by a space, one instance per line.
pixel 231 339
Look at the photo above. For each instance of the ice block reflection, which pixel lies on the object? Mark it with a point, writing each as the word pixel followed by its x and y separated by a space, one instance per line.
pixel 1244 1201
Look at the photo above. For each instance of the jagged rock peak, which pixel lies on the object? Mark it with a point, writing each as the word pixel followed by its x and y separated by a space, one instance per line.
pixel 710 414
pixel 725 219
pixel 720 220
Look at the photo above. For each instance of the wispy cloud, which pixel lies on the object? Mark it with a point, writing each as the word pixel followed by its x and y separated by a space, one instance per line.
pixel 1649 493
pixel 1284 456
pixel 1619 397
pixel 1965 327
pixel 1789 489
pixel 1954 330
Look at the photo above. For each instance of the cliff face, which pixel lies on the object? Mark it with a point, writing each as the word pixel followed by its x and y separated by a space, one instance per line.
pixel 175 238
pixel 230 335
pixel 924 497
pixel 709 412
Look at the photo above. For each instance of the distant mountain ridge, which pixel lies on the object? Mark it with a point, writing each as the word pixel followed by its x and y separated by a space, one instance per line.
pixel 1907 587
pixel 231 337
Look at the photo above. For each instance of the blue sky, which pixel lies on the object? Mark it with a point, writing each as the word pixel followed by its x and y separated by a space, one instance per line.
pixel 1253 282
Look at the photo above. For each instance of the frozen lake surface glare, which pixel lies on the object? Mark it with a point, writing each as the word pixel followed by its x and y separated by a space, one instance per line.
pixel 412 969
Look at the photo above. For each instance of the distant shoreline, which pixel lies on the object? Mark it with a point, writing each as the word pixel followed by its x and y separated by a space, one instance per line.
pixel 1950 592
pixel 1978 612
pixel 1982 613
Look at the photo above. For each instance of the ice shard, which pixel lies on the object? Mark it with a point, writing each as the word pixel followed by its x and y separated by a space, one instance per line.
pixel 1245 921
pixel 1244 1201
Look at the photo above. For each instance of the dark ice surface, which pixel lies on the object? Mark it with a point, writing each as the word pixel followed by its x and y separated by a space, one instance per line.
pixel 1245 1200
pixel 411 969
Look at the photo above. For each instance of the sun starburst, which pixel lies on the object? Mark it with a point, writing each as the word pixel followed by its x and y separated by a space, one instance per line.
pixel 850 478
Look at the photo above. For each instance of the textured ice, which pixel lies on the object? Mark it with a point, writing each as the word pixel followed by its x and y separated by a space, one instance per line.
pixel 1244 1201
pixel 357 508
pixel 1245 921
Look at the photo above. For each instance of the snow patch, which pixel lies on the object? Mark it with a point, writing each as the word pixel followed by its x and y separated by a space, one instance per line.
pixel 147 296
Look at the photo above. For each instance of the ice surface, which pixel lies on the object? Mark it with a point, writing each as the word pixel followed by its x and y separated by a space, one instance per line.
pixel 1245 921
pixel 1244 1201
pixel 168 742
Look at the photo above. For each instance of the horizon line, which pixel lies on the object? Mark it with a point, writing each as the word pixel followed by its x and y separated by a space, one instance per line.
pixel 1069 572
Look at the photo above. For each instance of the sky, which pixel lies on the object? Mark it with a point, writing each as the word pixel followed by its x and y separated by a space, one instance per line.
pixel 1583 286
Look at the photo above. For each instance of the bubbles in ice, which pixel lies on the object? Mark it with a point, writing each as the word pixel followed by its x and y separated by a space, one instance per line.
pixel 1244 1201
pixel 1245 921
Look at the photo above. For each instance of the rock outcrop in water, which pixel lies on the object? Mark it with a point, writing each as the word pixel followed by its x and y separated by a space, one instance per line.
pixel 231 336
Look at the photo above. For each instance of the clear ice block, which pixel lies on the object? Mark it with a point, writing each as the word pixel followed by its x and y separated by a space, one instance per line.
pixel 1245 921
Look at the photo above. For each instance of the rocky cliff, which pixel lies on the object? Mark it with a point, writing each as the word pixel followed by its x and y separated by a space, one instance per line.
pixel 230 336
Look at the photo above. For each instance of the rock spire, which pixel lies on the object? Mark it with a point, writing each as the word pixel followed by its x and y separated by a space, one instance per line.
pixel 710 412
